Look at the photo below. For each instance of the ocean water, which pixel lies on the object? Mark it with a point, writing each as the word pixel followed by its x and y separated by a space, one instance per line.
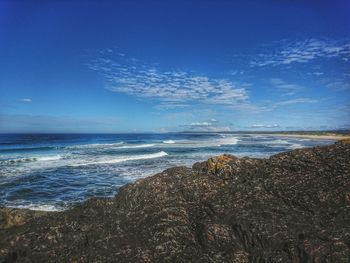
pixel 56 171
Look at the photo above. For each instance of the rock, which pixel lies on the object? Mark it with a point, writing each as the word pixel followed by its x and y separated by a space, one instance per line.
pixel 10 217
pixel 215 164
pixel 291 207
pixel 224 165
pixel 344 141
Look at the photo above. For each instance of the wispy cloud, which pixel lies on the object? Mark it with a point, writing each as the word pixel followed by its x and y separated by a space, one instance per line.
pixel 252 108
pixel 235 72
pixel 286 88
pixel 27 100
pixel 296 101
pixel 200 124
pixel 184 90
pixel 304 51
pixel 172 89
pixel 206 127
pixel 215 129
pixel 317 73
pixel 261 126
pixel 339 85
pixel 171 105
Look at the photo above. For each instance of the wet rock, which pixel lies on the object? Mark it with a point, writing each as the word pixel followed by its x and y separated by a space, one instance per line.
pixel 291 207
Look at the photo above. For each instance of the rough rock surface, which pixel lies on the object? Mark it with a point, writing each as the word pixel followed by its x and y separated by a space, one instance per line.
pixel 10 217
pixel 292 207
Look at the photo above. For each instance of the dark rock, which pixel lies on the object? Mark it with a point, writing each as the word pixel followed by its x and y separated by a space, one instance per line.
pixel 292 207
pixel 10 217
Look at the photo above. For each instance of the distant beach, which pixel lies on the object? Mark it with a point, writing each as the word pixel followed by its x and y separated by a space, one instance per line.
pixel 312 136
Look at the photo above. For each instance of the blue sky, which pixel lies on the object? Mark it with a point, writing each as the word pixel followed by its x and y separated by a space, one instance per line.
pixel 157 66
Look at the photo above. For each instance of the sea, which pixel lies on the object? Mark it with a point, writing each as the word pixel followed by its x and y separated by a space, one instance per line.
pixel 54 172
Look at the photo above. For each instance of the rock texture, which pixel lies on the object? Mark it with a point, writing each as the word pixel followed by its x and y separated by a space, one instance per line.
pixel 292 207
pixel 10 217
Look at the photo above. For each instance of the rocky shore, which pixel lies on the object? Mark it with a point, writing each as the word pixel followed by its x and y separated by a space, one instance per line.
pixel 292 207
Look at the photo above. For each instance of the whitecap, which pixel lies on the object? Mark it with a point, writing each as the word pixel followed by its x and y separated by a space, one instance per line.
pixel 303 140
pixel 19 160
pixel 137 146
pixel 169 142
pixel 295 146
pixel 49 158
pixel 94 145
pixel 124 159
pixel 39 207
pixel 228 141
pixel 278 141
pixel 32 159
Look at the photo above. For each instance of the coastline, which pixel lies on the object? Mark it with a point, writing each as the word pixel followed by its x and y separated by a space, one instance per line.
pixel 96 159
pixel 336 137
pixel 227 208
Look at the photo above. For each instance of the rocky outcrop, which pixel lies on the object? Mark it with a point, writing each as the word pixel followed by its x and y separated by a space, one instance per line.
pixel 292 207
pixel 10 217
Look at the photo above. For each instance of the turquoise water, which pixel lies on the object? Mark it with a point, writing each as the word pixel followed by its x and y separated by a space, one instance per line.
pixel 55 171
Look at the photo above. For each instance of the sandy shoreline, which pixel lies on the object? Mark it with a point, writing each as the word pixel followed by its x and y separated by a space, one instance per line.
pixel 311 136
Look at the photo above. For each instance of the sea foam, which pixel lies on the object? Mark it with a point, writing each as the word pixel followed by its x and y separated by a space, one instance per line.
pixel 39 207
pixel 137 146
pixel 32 159
pixel 124 159
pixel 296 146
pixel 49 158
pixel 94 145
pixel 169 142
pixel 228 141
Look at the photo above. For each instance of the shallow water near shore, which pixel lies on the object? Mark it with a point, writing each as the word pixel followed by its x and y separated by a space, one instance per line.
pixel 56 171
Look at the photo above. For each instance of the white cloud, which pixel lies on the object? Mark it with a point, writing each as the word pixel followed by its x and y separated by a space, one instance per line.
pixel 210 128
pixel 236 72
pixel 171 89
pixel 258 126
pixel 339 85
pixel 217 129
pixel 317 73
pixel 196 124
pixel 287 88
pixel 251 108
pixel 206 127
pixel 304 51
pixel 296 101
pixel 27 100
pixel 171 105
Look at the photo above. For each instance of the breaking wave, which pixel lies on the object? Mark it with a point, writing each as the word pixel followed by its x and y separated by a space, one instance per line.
pixel 94 145
pixel 137 146
pixel 169 142
pixel 124 159
pixel 39 207
pixel 32 159
pixel 228 141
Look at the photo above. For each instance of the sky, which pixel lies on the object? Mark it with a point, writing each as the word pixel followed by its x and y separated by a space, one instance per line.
pixel 167 66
